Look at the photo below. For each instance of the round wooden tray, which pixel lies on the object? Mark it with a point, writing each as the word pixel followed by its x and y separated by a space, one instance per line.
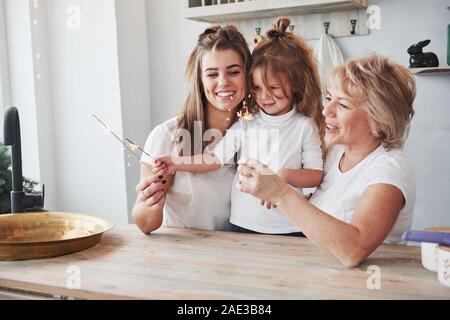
pixel 41 235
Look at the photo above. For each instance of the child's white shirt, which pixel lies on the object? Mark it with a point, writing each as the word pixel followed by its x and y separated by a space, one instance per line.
pixel 289 141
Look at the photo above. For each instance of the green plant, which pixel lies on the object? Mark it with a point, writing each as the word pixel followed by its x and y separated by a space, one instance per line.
pixel 6 181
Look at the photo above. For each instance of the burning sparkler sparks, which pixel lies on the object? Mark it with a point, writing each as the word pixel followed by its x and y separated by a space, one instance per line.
pixel 127 143
pixel 245 115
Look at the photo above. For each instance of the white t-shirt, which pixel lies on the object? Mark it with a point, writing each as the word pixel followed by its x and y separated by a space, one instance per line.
pixel 287 141
pixel 339 193
pixel 197 201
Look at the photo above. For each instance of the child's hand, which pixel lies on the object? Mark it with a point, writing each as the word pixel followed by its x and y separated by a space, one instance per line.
pixel 164 165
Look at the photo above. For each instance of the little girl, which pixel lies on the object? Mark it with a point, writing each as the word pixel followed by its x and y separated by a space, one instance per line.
pixel 286 134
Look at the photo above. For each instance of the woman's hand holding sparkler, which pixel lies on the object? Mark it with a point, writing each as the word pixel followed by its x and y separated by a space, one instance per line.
pixel 285 177
pixel 150 191
pixel 148 209
pixel 258 180
pixel 283 174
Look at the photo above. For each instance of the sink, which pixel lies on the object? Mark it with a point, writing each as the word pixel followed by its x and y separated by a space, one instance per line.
pixel 41 235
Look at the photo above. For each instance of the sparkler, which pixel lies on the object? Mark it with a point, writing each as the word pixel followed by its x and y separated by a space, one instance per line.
pixel 127 143
pixel 229 110
pixel 133 146
pixel 245 115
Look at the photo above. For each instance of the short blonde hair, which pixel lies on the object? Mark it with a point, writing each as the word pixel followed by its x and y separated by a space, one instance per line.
pixel 385 89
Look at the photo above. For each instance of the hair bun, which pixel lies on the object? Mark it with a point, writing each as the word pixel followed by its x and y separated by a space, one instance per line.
pixel 208 31
pixel 279 28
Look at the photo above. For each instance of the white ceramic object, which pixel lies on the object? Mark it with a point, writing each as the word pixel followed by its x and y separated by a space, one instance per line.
pixel 429 256
pixel 430 250
pixel 444 265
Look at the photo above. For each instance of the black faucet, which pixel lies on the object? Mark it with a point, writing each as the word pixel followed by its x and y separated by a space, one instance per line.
pixel 20 201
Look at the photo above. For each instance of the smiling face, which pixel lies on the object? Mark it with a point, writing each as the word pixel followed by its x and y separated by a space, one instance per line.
pixel 223 79
pixel 273 100
pixel 347 122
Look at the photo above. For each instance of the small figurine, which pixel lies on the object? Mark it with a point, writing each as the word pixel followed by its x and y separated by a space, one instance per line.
pixel 419 59
pixel 257 38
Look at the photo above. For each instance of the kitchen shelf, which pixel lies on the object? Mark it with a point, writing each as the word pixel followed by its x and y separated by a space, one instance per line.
pixel 216 11
pixel 430 71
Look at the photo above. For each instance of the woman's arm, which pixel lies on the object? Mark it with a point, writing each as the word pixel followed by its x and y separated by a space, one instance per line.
pixel 301 178
pixel 148 209
pixel 350 243
pixel 373 219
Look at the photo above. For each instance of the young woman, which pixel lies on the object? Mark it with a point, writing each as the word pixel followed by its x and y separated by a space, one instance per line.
pixel 217 84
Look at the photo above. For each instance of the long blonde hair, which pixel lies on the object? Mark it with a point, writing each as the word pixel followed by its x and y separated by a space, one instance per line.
pixel 213 38
pixel 287 57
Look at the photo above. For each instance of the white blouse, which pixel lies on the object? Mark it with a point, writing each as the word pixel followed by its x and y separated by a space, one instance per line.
pixel 339 193
pixel 197 201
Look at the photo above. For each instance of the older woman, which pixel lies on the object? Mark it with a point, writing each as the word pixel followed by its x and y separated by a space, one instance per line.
pixel 217 84
pixel 368 192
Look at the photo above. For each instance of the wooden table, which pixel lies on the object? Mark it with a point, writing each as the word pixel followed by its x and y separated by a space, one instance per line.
pixel 192 264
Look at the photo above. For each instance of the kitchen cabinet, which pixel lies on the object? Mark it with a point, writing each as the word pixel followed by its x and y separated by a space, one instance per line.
pixel 230 10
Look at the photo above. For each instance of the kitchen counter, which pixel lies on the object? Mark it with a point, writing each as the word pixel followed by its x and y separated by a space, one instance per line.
pixel 193 264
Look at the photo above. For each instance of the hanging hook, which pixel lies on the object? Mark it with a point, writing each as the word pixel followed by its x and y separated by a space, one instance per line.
pixel 258 31
pixel 291 28
pixel 327 26
pixel 353 22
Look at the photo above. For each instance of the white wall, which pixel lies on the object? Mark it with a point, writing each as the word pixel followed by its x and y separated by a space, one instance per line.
pixel 90 165
pixel 23 80
pixel 43 103
pixel 5 92
pixel 29 93
pixel 93 60
pixel 403 22
pixel 171 39
pixel 133 56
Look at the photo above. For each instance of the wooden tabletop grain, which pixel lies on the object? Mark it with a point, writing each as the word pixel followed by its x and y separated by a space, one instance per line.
pixel 195 264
